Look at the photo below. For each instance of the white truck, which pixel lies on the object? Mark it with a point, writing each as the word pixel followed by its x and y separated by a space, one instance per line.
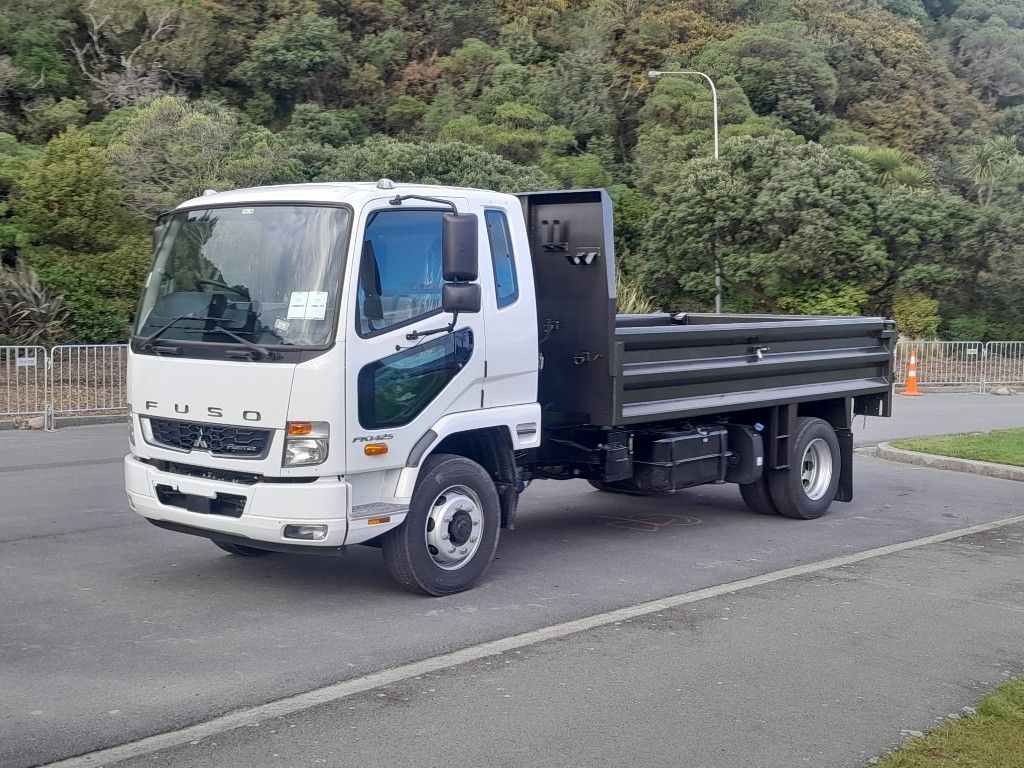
pixel 321 365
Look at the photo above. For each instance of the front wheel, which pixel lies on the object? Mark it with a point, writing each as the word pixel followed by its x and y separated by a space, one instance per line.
pixel 807 488
pixel 451 531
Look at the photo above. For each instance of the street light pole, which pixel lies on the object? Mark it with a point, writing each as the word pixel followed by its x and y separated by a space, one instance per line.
pixel 654 74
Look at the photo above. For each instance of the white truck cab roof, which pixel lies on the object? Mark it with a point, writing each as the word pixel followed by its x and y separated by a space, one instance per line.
pixel 354 193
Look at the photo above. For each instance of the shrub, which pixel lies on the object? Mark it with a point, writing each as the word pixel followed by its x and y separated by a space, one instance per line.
pixel 966 328
pixel 917 315
pixel 29 313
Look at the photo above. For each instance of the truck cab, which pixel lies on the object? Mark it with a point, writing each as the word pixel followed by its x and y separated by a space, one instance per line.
pixel 287 371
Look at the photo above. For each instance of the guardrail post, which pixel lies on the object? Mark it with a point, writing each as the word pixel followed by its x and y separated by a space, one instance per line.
pixel 984 368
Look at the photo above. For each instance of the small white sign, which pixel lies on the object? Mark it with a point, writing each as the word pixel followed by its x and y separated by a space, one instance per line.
pixel 297 305
pixel 26 362
pixel 281 325
pixel 316 305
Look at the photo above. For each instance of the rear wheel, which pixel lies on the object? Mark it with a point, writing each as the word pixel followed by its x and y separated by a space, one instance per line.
pixel 451 531
pixel 807 488
pixel 240 549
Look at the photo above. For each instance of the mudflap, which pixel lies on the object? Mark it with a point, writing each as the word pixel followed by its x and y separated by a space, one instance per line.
pixel 845 490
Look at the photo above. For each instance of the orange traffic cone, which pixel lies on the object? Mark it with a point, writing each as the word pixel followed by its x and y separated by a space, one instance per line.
pixel 911 390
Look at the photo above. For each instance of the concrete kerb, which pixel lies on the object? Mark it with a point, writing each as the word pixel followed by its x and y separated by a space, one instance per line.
pixel 984 468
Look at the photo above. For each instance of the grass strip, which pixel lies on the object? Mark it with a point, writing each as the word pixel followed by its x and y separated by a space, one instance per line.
pixel 1001 446
pixel 993 737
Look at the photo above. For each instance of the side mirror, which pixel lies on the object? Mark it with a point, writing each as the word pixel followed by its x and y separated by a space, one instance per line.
pixel 460 252
pixel 460 297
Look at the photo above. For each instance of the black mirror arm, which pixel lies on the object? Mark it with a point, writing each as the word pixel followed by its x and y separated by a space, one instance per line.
pixel 446 329
pixel 399 199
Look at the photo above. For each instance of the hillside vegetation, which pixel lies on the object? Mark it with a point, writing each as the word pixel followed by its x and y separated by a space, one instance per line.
pixel 870 158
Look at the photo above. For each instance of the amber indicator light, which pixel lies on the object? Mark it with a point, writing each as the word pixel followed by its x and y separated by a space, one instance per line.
pixel 375 449
pixel 299 428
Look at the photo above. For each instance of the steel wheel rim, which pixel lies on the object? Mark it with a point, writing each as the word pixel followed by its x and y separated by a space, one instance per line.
pixel 816 469
pixel 454 527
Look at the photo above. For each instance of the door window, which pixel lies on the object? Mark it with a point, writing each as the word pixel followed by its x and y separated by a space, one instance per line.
pixel 393 391
pixel 506 286
pixel 399 270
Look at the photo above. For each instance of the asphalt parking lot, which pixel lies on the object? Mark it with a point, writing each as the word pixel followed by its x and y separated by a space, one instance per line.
pixel 113 630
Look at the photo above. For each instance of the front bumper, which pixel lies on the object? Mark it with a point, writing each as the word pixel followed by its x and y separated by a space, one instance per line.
pixel 268 507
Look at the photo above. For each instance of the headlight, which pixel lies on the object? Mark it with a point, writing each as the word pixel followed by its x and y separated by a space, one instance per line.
pixel 310 448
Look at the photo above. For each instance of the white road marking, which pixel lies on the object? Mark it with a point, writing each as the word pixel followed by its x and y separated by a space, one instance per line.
pixel 292 704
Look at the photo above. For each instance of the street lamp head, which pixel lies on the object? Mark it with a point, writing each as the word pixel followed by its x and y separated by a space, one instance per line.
pixel 654 74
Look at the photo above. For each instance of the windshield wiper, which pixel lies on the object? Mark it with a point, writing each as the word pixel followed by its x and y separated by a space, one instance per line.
pixel 262 353
pixel 148 341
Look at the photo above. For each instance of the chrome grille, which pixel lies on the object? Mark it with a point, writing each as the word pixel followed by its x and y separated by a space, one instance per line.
pixel 216 439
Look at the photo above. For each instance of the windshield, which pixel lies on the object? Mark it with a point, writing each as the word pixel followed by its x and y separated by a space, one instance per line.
pixel 269 274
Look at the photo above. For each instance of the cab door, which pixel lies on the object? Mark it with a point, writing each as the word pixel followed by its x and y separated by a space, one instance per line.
pixel 399 383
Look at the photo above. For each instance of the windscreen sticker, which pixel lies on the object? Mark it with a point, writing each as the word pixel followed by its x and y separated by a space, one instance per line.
pixel 297 305
pixel 307 305
pixel 316 305
pixel 281 325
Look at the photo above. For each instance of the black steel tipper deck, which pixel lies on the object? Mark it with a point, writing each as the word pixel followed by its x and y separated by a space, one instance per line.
pixel 669 367
pixel 606 369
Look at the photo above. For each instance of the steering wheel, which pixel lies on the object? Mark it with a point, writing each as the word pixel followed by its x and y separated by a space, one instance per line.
pixel 217 284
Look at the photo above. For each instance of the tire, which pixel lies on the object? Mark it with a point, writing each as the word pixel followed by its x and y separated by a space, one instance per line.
pixel 239 549
pixel 454 506
pixel 806 490
pixel 757 496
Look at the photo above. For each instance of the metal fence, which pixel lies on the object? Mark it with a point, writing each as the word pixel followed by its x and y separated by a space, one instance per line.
pixel 945 365
pixel 23 380
pixel 962 366
pixel 89 380
pixel 80 380
pixel 1004 364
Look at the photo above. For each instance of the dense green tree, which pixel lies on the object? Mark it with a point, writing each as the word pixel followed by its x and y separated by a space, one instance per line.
pixel 990 164
pixel 796 225
pixel 130 50
pixel 987 38
pixel 68 197
pixel 172 149
pixel 434 163
pixel 891 83
pixel 783 71
pixel 334 127
pixel 31 35
pixel 292 57
pixel 76 235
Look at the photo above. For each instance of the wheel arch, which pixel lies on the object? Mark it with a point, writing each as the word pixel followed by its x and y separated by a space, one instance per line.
pixel 491 448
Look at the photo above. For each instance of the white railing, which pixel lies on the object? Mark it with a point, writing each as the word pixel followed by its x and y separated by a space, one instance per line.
pixel 945 365
pixel 88 380
pixel 23 383
pixel 80 380
pixel 1004 364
